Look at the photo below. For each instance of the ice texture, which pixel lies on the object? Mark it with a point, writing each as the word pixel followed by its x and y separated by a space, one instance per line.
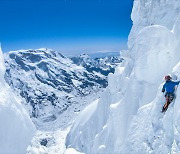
pixel 127 117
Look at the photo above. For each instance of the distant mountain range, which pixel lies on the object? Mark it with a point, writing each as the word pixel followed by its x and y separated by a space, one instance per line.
pixel 104 54
pixel 50 82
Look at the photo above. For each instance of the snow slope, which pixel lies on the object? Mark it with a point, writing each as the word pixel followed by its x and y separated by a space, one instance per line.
pixel 128 118
pixel 16 128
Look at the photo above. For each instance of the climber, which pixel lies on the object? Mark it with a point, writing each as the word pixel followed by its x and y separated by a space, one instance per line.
pixel 169 89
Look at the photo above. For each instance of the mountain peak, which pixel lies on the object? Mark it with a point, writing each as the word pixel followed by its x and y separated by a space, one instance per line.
pixel 44 75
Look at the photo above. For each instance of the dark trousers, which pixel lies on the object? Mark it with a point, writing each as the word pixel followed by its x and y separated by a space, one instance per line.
pixel 169 99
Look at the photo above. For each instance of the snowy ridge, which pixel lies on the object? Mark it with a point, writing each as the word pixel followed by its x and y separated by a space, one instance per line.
pixel 128 118
pixel 16 127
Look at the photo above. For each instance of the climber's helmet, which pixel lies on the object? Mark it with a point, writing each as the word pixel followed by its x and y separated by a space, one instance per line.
pixel 167 77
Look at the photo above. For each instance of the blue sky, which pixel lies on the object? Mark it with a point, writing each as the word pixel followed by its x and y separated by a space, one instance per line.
pixel 70 26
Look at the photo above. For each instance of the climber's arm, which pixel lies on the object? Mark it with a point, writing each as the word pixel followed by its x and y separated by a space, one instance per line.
pixel 176 83
pixel 163 88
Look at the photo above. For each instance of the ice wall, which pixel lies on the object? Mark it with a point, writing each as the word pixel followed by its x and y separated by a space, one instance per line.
pixel 134 92
pixel 16 128
pixel 152 131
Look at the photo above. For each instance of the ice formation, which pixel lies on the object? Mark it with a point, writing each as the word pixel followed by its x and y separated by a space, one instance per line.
pixel 16 128
pixel 128 118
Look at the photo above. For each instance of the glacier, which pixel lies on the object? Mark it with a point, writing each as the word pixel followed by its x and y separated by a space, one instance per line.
pixel 16 127
pixel 127 118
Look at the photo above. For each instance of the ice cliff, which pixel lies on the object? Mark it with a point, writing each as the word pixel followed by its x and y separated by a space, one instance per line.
pixel 16 128
pixel 127 118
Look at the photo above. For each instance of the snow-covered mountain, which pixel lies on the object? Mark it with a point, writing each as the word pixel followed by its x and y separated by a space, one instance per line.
pixel 127 118
pixel 16 128
pixel 50 82
pixel 104 66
